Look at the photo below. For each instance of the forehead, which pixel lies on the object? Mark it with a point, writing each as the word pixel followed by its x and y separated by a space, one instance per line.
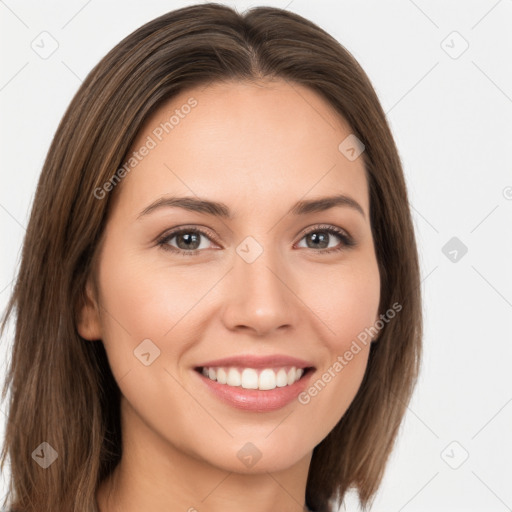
pixel 244 142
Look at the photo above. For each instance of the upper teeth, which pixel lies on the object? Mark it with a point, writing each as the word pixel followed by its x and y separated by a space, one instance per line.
pixel 248 378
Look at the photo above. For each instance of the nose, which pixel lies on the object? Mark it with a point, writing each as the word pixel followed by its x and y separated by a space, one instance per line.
pixel 260 296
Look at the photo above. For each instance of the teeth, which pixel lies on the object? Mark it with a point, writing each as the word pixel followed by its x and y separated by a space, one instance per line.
pixel 267 379
pixel 281 378
pixel 222 377
pixel 234 377
pixel 249 378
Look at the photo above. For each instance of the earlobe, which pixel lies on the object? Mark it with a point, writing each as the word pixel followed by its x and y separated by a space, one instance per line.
pixel 88 318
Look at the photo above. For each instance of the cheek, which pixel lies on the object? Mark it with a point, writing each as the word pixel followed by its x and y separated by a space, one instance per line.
pixel 143 298
pixel 140 303
pixel 346 307
pixel 143 310
pixel 332 391
pixel 346 302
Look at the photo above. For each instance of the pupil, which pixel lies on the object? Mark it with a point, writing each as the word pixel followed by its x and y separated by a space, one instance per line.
pixel 319 238
pixel 189 239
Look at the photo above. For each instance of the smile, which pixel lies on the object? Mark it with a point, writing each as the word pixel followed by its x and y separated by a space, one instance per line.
pixel 257 390
pixel 263 379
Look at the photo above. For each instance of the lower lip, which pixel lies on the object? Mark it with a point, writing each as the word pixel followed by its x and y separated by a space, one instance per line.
pixel 255 399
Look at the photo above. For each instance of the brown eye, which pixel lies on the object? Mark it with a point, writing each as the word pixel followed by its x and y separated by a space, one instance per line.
pixel 188 241
pixel 320 238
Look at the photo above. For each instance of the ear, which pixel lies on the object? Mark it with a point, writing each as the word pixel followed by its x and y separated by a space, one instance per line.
pixel 88 317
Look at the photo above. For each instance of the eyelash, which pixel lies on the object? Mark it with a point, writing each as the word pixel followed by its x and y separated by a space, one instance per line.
pixel 346 240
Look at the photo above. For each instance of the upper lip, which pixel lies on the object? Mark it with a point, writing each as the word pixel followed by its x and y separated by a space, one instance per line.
pixel 251 361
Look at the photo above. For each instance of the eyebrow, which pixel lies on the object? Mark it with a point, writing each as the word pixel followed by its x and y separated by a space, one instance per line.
pixel 221 210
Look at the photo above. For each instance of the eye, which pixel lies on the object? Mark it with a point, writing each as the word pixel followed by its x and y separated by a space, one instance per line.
pixel 318 238
pixel 188 241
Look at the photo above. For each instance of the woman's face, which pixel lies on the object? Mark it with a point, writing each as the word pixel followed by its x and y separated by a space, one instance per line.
pixel 267 284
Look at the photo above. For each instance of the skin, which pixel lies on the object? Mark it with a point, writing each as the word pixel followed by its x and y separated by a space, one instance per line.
pixel 258 148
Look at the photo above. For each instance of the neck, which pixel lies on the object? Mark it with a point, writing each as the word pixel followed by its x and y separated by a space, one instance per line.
pixel 155 475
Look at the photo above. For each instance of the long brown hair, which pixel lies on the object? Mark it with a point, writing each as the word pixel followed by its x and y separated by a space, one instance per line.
pixel 61 389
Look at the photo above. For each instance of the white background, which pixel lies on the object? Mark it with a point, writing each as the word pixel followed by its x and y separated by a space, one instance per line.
pixel 452 120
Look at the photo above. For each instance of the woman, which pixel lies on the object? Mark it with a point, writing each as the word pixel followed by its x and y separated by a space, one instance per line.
pixel 218 303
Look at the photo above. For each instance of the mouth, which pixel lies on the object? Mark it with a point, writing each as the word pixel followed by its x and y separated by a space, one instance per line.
pixel 262 379
pixel 256 383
